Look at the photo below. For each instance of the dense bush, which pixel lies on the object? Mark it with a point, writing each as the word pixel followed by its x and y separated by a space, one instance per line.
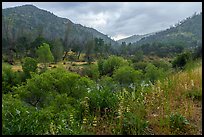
pixel 17 118
pixel 138 56
pixel 29 65
pixel 178 123
pixel 162 64
pixel 44 54
pixel 140 65
pixel 92 72
pixel 126 75
pixel 100 66
pixel 103 100
pixel 10 78
pixel 133 125
pixel 153 73
pixel 21 119
pixel 107 82
pixel 41 88
pixel 197 53
pixel 112 63
pixel 181 60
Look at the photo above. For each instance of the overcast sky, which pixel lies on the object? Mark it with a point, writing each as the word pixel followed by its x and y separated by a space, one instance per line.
pixel 120 19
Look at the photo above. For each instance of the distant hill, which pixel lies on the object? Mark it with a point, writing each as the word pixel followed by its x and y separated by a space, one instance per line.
pixel 187 31
pixel 134 38
pixel 28 20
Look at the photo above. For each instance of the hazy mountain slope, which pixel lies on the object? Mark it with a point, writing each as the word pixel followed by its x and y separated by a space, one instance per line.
pixel 32 21
pixel 188 31
pixel 133 38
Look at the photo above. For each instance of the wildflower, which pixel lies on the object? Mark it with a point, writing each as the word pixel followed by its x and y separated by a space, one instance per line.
pixel 84 120
pixel 17 111
pixel 133 95
pixel 185 86
pixel 155 115
pixel 125 91
pixel 120 111
pixel 95 122
pixel 52 128
pixel 128 109
pixel 159 89
pixel 71 118
pixel 192 83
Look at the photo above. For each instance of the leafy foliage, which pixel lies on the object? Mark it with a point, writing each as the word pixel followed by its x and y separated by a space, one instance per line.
pixel 40 89
pixel 44 53
pixel 111 64
pixel 126 75
pixel 29 65
pixel 181 60
pixel 103 100
pixel 10 78
pixel 133 125
pixel 57 49
pixel 178 122
pixel 153 73
pixel 92 72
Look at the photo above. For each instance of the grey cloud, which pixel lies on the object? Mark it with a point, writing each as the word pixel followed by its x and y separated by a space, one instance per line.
pixel 119 18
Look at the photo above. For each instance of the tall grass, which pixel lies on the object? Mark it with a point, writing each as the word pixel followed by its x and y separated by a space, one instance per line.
pixel 180 93
pixel 171 106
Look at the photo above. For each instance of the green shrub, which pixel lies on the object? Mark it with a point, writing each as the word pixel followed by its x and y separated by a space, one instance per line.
pixel 178 122
pixel 100 66
pixel 195 94
pixel 138 56
pixel 42 87
pixel 10 78
pixel 113 63
pixel 29 65
pixel 126 75
pixel 140 66
pixel 92 72
pixel 107 82
pixel 162 64
pixel 103 99
pixel 133 125
pixel 18 118
pixel 153 73
pixel 181 60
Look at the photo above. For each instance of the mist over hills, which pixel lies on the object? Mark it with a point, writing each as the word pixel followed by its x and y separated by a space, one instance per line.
pixel 134 38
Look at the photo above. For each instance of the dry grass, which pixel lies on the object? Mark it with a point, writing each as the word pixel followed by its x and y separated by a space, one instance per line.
pixel 170 97
pixel 16 68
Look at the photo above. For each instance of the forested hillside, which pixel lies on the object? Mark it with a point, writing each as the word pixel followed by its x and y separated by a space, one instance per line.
pixel 187 31
pixel 134 38
pixel 30 21
pixel 185 35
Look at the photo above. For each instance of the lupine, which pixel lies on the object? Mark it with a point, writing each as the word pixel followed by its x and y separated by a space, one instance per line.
pixel 84 120
pixel 95 122
pixel 192 83
pixel 71 118
pixel 128 109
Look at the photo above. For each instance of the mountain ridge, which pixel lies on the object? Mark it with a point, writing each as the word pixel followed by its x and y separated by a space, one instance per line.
pixel 187 31
pixel 134 38
pixel 31 19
